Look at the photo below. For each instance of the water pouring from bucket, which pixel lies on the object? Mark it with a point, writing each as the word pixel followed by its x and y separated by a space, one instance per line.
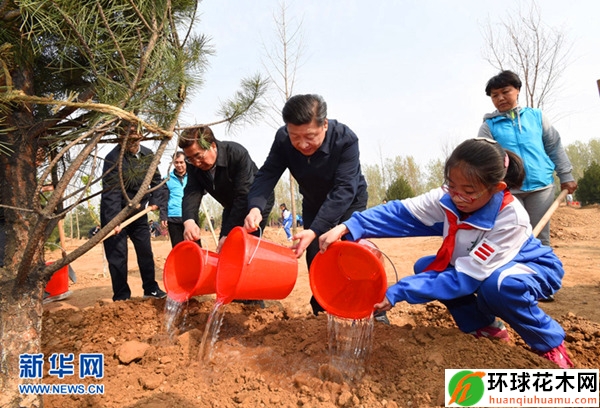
pixel 349 278
pixel 190 271
pixel 253 268
pixel 249 268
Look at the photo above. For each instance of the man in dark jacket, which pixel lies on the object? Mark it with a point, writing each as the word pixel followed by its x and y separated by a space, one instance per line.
pixel 323 156
pixel 225 171
pixel 134 162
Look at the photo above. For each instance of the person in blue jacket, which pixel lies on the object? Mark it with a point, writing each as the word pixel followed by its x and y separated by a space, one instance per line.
pixel 176 184
pixel 323 156
pixel 490 266
pixel 530 135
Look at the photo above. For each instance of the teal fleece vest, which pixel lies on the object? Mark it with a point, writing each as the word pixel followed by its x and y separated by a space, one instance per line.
pixel 523 136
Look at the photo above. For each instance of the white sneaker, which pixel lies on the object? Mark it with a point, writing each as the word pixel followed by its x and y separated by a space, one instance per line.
pixel 157 294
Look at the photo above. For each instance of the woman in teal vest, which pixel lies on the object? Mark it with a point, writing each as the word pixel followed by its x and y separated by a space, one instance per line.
pixel 526 132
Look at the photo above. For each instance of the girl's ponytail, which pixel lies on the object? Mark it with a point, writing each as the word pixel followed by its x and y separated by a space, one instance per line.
pixel 515 172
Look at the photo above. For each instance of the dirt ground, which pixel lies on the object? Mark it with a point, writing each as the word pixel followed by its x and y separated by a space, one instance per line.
pixel 278 356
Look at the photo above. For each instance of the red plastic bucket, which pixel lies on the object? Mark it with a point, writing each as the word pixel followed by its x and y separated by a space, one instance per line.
pixel 348 278
pixel 59 282
pixel 254 269
pixel 190 271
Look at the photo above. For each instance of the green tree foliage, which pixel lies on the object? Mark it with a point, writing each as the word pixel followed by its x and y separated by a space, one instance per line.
pixel 407 168
pixel 375 184
pixel 83 216
pixel 582 155
pixel 70 73
pixel 399 190
pixel 435 174
pixel 588 191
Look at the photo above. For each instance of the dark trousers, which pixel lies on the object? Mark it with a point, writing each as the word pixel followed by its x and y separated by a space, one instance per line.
pixel 115 248
pixel 175 232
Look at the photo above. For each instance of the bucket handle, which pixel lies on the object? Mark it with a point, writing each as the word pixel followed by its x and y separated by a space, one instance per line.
pixel 206 256
pixel 257 245
pixel 390 261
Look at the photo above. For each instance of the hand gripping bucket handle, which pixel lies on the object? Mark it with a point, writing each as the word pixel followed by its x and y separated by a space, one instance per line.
pixel 349 278
pixel 251 268
pixel 190 271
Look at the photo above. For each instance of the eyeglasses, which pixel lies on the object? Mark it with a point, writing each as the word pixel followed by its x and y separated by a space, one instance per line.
pixel 197 157
pixel 470 198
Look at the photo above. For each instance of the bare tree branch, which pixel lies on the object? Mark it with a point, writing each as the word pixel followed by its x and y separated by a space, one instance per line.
pixel 538 53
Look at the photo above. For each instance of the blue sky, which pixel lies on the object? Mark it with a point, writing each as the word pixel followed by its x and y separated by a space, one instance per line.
pixel 407 76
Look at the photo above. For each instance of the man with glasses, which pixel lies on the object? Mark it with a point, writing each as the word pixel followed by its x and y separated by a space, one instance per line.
pixel 133 165
pixel 222 169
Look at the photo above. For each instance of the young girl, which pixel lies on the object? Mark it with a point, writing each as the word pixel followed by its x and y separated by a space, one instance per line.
pixel 489 265
pixel 286 217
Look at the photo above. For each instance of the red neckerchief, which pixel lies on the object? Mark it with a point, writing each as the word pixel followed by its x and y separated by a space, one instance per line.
pixel 444 254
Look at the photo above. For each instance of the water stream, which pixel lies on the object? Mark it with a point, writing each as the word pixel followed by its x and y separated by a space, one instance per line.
pixel 211 332
pixel 173 312
pixel 350 344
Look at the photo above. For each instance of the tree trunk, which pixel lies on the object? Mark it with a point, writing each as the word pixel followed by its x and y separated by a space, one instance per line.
pixel 23 275
pixel 20 333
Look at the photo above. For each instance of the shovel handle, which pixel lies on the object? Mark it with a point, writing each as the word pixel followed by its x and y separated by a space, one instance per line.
pixel 129 221
pixel 544 220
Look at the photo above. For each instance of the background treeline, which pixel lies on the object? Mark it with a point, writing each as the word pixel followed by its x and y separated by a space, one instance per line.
pixel 395 178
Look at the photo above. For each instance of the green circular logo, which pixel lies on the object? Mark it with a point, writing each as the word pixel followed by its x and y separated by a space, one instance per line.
pixel 466 388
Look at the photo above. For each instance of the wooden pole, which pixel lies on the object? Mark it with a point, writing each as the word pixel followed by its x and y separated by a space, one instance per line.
pixel 128 221
pixel 212 230
pixel 544 220
pixel 61 236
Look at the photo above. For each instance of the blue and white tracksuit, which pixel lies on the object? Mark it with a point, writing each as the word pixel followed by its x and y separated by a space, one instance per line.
pixel 506 284
pixel 286 215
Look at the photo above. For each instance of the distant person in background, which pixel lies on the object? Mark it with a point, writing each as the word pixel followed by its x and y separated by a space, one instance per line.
pixel 93 231
pixel 154 229
pixel 528 133
pixel 176 185
pixel 286 220
pixel 135 161
pixel 222 169
pixel 323 156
